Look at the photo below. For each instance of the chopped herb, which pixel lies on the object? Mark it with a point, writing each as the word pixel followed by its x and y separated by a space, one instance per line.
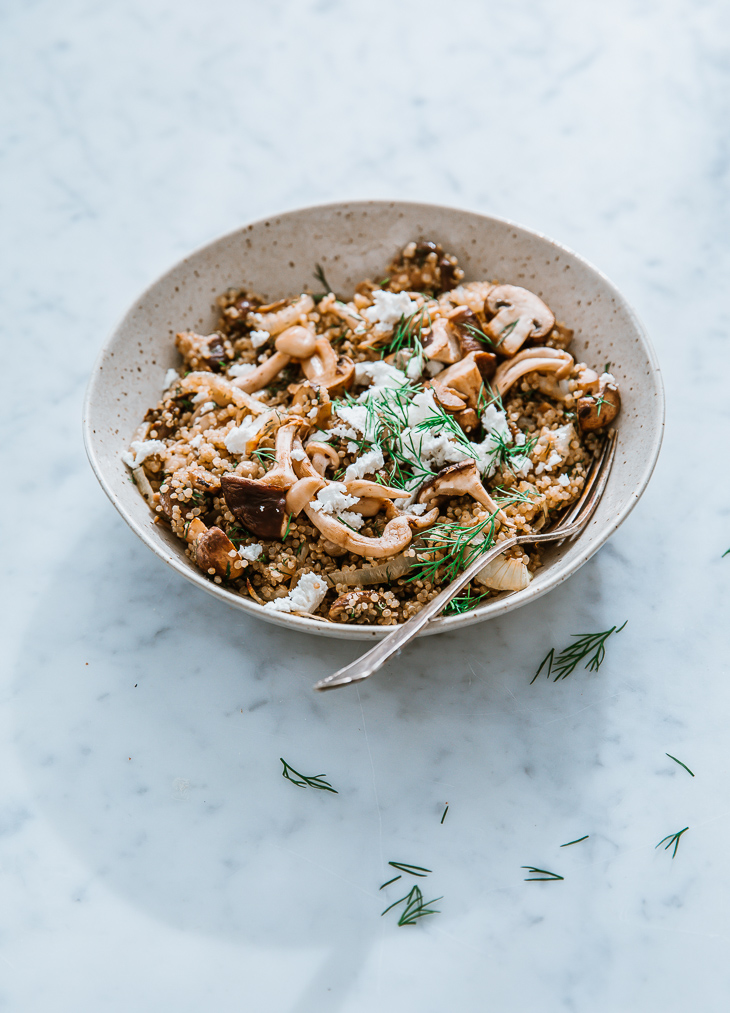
pixel 506 331
pixel 459 544
pixel 478 333
pixel 590 646
pixel 445 811
pixel 672 839
pixel 576 841
pixel 302 781
pixel 412 870
pixel 393 880
pixel 679 762
pixel 544 877
pixel 288 525
pixel 320 276
pixel 464 602
pixel 608 368
pixel 384 282
pixel 725 553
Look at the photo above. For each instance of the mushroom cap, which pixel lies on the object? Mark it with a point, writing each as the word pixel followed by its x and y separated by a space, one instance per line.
pixel 461 479
pixel 442 343
pixel 517 314
pixel 261 508
pixel 596 412
pixel 396 535
pixel 297 341
pixel 465 378
pixel 215 551
pixel 532 360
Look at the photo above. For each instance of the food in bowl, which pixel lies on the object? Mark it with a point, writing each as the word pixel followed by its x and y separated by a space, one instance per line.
pixel 344 458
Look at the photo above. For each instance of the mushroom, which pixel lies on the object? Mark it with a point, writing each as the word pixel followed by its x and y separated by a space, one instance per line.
pixel 223 392
pixel 278 321
pixel 324 368
pixel 595 411
pixel 216 554
pixel 297 341
pixel 460 479
pixel 321 455
pixel 517 315
pixel 540 360
pixel 302 492
pixel 395 536
pixel 466 376
pixel 442 344
pixel 263 374
pixel 372 495
pixel 308 397
pixel 261 503
pixel 468 327
pixel 446 397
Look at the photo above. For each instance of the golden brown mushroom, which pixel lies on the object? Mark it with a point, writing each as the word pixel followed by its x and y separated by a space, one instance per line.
pixel 532 360
pixel 596 411
pixel 216 555
pixel 517 314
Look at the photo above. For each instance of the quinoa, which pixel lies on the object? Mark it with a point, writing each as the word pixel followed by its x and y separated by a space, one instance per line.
pixel 375 443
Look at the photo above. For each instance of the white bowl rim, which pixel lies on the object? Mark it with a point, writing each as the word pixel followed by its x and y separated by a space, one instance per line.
pixel 491 610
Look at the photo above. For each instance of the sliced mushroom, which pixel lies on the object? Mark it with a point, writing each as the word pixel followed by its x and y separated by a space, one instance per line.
pixel 302 492
pixel 371 496
pixel 446 397
pixel 517 315
pixel 261 508
pixel 466 377
pixel 395 537
pixel 442 344
pixel 467 419
pixel 278 321
pixel 460 479
pixel 418 522
pixel 467 326
pixel 595 411
pixel 325 369
pixel 204 351
pixel 216 555
pixel 532 360
pixel 223 392
pixel 309 396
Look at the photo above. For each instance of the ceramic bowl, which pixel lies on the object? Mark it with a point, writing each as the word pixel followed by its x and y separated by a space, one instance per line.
pixel 276 257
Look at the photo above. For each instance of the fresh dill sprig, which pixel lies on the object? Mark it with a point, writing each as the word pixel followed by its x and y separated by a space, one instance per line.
pixel 576 841
pixel 464 602
pixel 445 811
pixel 506 331
pixel 507 497
pixel 415 907
pixel 264 455
pixel 679 762
pixel 672 839
pixel 412 870
pixel 725 553
pixel 407 332
pixel 478 333
pixel 590 646
pixel 544 877
pixel 302 781
pixel 459 544
pixel 320 276
pixel 393 880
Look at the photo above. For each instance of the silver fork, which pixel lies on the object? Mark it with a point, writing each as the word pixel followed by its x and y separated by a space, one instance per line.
pixel 569 526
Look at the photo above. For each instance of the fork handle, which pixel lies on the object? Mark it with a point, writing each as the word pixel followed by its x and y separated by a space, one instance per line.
pixel 376 657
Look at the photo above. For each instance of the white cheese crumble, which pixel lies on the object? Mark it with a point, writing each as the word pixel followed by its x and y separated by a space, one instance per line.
pixel 433 368
pixel 259 338
pixel 607 379
pixel 209 406
pixel 561 439
pixel 170 377
pixel 298 454
pixel 305 597
pixel 241 369
pixel 368 464
pixel 202 395
pixel 237 438
pixel 380 374
pixel 196 441
pixel 140 450
pixel 333 499
pixel 563 480
pixel 389 307
pixel 414 369
pixel 354 520
pixel 250 552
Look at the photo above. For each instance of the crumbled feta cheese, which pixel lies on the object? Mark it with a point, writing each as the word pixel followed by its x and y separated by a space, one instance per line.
pixel 140 450
pixel 250 552
pixel 241 369
pixel 495 421
pixel 209 406
pixel 607 379
pixel 520 439
pixel 322 436
pixel 259 338
pixel 368 464
pixel 305 597
pixel 196 441
pixel 354 520
pixel 561 439
pixel 433 368
pixel 333 499
pixel 352 448
pixel 414 369
pixel 389 307
pixel 379 373
pixel 171 376
pixel 237 438
pixel 417 509
pixel 563 480
pixel 202 395
pixel 312 412
pixel 298 454
pixel 521 465
pixel 554 459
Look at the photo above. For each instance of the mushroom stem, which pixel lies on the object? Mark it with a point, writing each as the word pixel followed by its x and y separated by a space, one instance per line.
pixel 532 360
pixel 395 537
pixel 263 374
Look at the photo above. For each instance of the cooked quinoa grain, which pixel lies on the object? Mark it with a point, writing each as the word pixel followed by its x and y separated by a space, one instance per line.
pixel 346 459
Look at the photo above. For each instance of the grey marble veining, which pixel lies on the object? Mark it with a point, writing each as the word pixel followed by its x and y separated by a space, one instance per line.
pixel 151 855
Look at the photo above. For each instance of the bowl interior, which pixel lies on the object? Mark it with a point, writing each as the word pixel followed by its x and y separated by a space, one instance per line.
pixel 276 257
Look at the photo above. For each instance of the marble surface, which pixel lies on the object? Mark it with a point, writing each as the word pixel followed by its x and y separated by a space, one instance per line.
pixel 152 857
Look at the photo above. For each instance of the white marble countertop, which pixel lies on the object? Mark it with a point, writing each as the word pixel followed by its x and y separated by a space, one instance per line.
pixel 152 857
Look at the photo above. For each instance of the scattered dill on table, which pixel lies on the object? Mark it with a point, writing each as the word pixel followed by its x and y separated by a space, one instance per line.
pixel 590 647
pixel 680 763
pixel 414 905
pixel 445 811
pixel 576 841
pixel 302 781
pixel 543 877
pixel 672 839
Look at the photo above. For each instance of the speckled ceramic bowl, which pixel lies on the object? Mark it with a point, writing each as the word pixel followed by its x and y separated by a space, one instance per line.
pixel 276 257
